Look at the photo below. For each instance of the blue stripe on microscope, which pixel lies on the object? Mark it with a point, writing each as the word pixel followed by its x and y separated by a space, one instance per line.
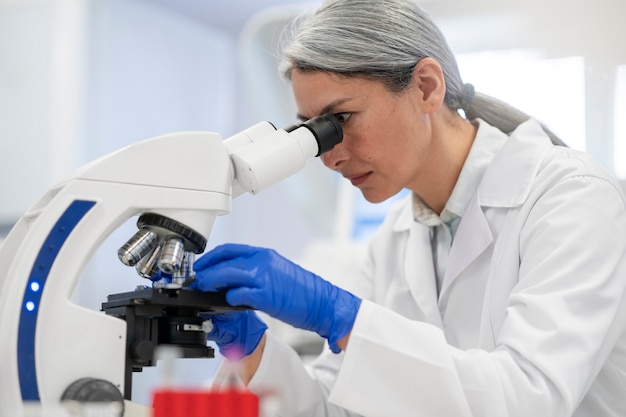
pixel 32 295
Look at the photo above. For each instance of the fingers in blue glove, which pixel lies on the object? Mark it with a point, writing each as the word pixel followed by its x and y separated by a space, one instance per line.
pixel 264 280
pixel 221 254
pixel 237 334
pixel 227 273
pixel 161 279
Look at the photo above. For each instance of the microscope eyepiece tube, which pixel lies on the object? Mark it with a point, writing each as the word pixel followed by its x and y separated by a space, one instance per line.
pixel 172 255
pixel 138 246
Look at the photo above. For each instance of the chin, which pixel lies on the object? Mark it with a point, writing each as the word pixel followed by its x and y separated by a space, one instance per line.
pixel 374 198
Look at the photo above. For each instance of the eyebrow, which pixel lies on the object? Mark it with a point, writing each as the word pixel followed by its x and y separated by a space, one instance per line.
pixel 327 109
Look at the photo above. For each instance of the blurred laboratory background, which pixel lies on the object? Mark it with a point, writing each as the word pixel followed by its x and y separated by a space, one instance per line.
pixel 82 78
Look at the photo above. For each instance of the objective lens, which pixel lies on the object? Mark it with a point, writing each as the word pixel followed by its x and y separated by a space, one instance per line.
pixel 138 246
pixel 148 266
pixel 172 256
pixel 186 269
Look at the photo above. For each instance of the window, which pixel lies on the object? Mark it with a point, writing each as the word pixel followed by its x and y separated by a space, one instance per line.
pixel 551 90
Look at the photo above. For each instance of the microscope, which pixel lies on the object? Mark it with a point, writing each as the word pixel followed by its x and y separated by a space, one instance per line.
pixel 47 342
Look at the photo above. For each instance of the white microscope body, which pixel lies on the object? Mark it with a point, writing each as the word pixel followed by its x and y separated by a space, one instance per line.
pixel 46 341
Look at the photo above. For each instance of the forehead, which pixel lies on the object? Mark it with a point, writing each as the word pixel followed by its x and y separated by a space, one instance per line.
pixel 315 91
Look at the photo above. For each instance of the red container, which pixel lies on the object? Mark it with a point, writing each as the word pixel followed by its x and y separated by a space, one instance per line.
pixel 229 402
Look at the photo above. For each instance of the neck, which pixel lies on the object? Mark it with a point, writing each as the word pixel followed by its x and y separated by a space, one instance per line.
pixel 452 138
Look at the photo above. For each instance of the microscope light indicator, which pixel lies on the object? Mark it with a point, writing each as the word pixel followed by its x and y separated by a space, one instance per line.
pixel 31 305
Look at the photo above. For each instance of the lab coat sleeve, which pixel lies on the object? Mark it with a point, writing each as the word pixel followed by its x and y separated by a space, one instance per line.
pixel 563 318
pixel 296 389
pixel 302 389
pixel 397 366
pixel 568 311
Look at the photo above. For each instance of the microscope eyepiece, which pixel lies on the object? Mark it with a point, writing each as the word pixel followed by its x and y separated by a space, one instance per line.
pixel 326 129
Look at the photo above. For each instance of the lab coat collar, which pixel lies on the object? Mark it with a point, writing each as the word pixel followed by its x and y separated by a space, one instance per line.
pixel 506 184
pixel 405 218
pixel 420 274
pixel 509 178
pixel 507 181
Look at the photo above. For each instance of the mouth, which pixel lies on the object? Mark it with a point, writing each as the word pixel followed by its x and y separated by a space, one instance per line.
pixel 359 179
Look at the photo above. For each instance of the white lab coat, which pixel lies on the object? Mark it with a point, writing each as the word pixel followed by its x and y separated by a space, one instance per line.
pixel 531 315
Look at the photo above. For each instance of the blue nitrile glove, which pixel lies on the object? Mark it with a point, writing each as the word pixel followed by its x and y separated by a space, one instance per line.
pixel 264 280
pixel 237 333
pixel 161 277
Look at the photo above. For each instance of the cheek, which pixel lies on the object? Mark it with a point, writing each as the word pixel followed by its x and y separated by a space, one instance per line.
pixel 397 156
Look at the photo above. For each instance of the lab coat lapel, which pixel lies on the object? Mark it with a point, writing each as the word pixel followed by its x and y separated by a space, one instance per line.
pixel 472 238
pixel 420 273
pixel 506 184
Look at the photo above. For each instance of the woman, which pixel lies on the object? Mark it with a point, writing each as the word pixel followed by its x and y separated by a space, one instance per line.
pixel 495 289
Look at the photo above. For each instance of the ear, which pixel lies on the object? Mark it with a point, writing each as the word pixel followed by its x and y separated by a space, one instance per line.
pixel 429 80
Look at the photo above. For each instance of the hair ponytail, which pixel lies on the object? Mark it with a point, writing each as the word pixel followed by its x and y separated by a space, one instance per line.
pixel 502 115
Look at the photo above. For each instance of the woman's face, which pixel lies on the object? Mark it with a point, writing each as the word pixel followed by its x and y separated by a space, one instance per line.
pixel 386 135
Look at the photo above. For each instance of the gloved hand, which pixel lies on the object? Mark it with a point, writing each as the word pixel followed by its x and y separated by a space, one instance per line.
pixel 264 280
pixel 160 278
pixel 236 334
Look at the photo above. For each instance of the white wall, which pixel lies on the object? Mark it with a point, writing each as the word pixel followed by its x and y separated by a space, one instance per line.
pixel 26 59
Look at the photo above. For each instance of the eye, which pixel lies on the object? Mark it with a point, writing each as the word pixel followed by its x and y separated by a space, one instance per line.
pixel 342 117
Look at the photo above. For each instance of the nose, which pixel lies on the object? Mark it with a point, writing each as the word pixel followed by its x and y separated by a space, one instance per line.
pixel 336 157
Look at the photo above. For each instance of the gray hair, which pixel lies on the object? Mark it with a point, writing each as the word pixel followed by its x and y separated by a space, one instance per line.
pixel 383 40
